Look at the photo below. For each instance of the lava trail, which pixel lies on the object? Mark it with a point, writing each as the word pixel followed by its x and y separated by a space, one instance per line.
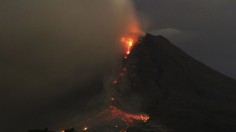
pixel 116 119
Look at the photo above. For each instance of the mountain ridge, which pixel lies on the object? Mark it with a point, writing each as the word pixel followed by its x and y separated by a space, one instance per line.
pixel 179 91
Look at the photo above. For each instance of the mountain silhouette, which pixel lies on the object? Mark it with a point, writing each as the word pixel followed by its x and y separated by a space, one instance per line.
pixel 179 93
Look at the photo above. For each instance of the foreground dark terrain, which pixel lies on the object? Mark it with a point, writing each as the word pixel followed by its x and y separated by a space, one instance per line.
pixel 179 93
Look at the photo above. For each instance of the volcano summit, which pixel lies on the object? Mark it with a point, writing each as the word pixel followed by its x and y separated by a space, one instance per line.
pixel 178 93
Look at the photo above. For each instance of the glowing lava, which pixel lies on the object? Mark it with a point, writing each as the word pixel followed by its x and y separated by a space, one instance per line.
pixel 128 42
pixel 126 117
pixel 112 113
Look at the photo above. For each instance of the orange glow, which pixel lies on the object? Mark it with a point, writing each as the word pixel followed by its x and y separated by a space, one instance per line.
pixel 113 113
pixel 126 117
pixel 132 33
pixel 128 42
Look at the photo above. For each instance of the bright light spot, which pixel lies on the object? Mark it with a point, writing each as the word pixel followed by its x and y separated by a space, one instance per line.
pixel 85 129
pixel 128 42
pixel 144 118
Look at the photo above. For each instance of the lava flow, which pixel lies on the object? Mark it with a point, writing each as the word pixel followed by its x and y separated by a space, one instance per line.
pixel 115 117
pixel 126 117
pixel 128 42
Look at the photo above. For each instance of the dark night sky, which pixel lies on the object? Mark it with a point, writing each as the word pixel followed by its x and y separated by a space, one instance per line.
pixel 49 49
pixel 203 28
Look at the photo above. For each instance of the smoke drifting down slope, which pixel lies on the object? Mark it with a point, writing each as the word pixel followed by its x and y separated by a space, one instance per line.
pixel 53 49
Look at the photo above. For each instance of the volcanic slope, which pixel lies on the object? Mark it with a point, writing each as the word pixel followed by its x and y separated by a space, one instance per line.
pixel 179 93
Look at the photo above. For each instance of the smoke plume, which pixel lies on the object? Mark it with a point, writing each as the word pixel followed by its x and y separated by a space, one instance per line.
pixel 49 48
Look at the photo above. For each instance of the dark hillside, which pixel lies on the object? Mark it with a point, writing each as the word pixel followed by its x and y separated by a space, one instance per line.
pixel 180 93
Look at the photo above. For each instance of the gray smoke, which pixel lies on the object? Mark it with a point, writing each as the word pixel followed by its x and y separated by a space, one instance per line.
pixel 47 48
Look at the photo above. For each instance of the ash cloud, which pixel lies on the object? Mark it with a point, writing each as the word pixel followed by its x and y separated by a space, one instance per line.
pixel 51 48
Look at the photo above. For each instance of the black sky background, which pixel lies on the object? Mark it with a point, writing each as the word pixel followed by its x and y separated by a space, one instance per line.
pixel 50 49
pixel 205 29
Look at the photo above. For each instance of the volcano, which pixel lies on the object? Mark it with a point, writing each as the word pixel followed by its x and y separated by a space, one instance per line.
pixel 178 93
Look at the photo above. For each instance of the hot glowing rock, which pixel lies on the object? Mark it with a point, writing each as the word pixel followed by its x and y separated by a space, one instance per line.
pixel 128 42
pixel 126 117
pixel 113 113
